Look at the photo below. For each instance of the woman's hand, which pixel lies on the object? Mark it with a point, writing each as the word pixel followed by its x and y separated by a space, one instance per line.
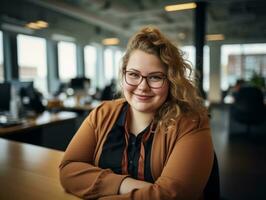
pixel 129 184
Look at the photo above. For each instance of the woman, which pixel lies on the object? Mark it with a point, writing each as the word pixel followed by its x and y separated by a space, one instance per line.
pixel 154 143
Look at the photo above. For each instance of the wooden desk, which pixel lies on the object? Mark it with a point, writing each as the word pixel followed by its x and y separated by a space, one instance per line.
pixel 29 172
pixel 46 118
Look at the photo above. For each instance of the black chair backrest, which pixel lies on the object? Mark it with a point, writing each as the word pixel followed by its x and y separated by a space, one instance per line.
pixel 212 189
pixel 250 96
pixel 248 106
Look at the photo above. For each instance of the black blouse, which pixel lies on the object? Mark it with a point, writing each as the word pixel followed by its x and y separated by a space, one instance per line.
pixel 115 144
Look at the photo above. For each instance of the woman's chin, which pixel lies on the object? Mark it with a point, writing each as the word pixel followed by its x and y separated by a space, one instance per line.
pixel 143 107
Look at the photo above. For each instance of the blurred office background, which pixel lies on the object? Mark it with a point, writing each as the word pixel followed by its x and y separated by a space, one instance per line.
pixel 68 53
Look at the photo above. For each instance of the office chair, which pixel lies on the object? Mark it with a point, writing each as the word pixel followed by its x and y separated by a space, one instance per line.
pixel 212 189
pixel 248 107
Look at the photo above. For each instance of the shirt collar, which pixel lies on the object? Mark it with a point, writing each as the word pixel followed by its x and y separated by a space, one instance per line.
pixel 122 115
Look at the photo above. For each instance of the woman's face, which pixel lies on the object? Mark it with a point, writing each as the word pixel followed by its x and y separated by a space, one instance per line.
pixel 142 97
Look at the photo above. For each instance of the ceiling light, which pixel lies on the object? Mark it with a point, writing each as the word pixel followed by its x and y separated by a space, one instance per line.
pixel 42 24
pixel 111 41
pixel 184 6
pixel 214 37
pixel 32 25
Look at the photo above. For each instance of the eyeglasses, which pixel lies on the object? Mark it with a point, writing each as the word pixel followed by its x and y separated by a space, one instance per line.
pixel 154 80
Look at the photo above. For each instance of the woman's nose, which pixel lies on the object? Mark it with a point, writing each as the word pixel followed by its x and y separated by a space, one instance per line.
pixel 144 84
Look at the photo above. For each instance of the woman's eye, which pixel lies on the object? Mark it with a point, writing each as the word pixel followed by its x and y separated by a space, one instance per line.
pixel 133 75
pixel 155 78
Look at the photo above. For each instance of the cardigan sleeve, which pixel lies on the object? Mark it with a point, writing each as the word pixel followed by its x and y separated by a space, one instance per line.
pixel 78 175
pixel 187 169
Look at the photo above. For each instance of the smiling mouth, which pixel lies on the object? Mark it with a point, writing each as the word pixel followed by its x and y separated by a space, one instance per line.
pixel 143 97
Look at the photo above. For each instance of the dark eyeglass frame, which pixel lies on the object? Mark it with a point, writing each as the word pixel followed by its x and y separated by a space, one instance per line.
pixel 164 77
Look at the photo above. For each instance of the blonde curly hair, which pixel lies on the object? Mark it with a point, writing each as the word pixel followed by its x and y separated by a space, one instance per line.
pixel 183 96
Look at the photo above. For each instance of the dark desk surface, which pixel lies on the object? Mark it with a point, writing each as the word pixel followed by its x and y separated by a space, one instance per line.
pixel 43 119
pixel 30 172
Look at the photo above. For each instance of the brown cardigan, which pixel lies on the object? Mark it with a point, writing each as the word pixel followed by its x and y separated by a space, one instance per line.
pixel 181 159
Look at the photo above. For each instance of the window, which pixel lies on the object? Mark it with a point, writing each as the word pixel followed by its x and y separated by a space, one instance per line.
pixel 112 63
pixel 1 58
pixel 67 60
pixel 190 55
pixel 90 56
pixel 108 65
pixel 206 68
pixel 242 61
pixel 32 61
pixel 118 62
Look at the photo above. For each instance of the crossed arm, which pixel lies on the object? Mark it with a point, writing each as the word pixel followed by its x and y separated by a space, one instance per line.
pixel 80 177
pixel 129 184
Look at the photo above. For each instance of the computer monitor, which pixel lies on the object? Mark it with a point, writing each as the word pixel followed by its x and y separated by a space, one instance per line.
pixel 23 88
pixel 5 91
pixel 79 83
pixel 30 98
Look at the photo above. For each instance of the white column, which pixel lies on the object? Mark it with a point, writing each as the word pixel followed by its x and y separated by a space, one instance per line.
pixel 215 94
pixel 52 66
pixel 80 60
pixel 100 80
